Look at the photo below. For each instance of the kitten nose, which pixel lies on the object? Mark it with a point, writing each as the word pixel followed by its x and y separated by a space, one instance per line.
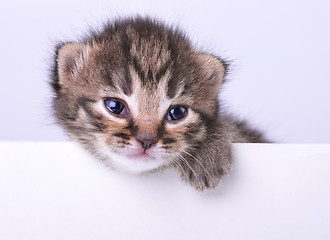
pixel 147 131
pixel 147 142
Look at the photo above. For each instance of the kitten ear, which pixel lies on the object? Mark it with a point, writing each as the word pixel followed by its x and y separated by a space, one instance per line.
pixel 214 68
pixel 70 57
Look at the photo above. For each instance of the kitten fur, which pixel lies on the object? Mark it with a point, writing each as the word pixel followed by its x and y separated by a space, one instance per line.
pixel 150 68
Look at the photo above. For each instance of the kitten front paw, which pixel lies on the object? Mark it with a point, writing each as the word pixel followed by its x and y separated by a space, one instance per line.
pixel 201 181
pixel 202 178
pixel 204 170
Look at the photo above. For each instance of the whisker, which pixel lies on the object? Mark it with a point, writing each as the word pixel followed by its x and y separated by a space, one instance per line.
pixel 187 164
pixel 176 163
pixel 190 167
pixel 198 161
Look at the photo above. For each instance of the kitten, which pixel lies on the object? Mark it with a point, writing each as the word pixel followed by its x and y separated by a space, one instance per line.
pixel 138 96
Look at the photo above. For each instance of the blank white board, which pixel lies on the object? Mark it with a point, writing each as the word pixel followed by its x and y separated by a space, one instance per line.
pixel 53 190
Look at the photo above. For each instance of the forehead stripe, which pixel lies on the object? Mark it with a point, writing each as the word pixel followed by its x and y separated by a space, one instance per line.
pixel 172 86
pixel 163 69
pixel 126 46
pixel 139 71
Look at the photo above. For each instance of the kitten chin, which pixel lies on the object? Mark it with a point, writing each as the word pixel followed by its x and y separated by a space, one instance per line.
pixel 139 97
pixel 134 160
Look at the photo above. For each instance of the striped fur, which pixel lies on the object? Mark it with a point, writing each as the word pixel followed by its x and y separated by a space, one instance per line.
pixel 150 68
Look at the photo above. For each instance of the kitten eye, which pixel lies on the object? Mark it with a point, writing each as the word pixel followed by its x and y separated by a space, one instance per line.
pixel 177 113
pixel 115 106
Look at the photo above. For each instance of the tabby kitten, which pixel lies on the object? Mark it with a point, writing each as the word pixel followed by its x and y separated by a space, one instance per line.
pixel 139 97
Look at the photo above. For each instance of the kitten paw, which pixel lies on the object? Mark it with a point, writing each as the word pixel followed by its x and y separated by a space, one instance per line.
pixel 202 180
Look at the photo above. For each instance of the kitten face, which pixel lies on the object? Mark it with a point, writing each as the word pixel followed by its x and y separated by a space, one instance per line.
pixel 137 95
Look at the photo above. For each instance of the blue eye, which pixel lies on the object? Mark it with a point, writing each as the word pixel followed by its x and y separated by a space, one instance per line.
pixel 177 113
pixel 115 106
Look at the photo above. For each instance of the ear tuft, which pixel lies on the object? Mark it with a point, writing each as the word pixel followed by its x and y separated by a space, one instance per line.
pixel 70 57
pixel 214 68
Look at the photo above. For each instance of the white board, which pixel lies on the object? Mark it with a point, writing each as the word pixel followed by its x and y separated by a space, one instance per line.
pixel 52 190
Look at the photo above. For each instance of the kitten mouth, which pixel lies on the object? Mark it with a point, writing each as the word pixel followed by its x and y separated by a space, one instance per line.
pixel 143 156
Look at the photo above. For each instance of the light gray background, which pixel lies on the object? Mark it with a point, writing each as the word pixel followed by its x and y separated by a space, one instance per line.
pixel 280 49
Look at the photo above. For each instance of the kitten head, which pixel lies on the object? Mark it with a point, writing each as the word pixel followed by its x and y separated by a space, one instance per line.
pixel 137 95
